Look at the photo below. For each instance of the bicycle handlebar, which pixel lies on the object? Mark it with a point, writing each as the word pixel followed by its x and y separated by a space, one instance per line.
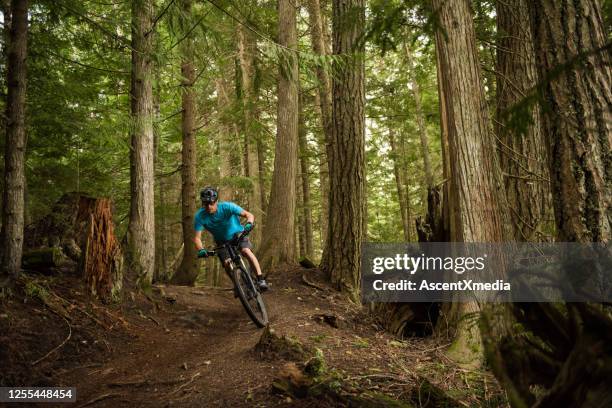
pixel 233 241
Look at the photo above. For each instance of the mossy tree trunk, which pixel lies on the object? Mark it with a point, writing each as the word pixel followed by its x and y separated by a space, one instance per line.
pixel 475 176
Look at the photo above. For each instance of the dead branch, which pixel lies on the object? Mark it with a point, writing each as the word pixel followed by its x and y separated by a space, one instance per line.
pixel 59 346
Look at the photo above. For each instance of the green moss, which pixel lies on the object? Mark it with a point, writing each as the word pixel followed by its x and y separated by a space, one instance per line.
pixel 316 366
pixel 318 338
pixel 361 343
pixel 35 291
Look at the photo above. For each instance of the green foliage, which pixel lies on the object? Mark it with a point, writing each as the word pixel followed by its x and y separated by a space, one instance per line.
pixel 78 105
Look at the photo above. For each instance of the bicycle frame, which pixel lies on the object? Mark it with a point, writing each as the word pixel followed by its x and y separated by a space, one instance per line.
pixel 231 247
pixel 241 275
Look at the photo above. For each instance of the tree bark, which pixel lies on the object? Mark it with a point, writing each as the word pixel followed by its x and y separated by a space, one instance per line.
pixel 522 151
pixel 15 141
pixel 323 182
pixel 475 175
pixel 472 149
pixel 278 244
pixel 324 98
pixel 5 6
pixel 347 162
pixel 102 258
pixel 448 207
pixel 188 271
pixel 305 184
pixel 246 51
pixel 161 264
pixel 141 229
pixel 577 119
pixel 299 217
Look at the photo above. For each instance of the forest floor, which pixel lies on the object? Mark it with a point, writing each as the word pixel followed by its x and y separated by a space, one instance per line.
pixel 195 346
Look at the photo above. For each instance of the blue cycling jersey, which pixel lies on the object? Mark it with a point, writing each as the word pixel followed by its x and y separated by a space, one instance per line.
pixel 223 224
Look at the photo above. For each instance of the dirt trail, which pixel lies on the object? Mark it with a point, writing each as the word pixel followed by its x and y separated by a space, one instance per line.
pixel 201 354
pixel 189 347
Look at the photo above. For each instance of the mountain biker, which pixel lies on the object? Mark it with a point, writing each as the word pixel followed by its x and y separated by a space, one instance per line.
pixel 221 220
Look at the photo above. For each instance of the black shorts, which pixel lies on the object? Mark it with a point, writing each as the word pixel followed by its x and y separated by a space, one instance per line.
pixel 223 253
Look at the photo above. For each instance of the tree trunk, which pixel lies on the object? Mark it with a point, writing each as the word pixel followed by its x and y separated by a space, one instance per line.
pixel 420 116
pixel 323 182
pixel 405 177
pixel 163 272
pixel 6 37
pixel 306 210
pixel 577 119
pixel 399 182
pixel 246 51
pixel 299 217
pixel 573 59
pixel 278 244
pixel 324 98
pixel 141 229
pixel 262 187
pixel 15 141
pixel 522 151
pixel 448 207
pixel 161 263
pixel 188 271
pixel 347 162
pixel 475 177
pixel 225 142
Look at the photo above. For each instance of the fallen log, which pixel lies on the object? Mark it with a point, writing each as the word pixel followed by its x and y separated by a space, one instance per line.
pixel 43 258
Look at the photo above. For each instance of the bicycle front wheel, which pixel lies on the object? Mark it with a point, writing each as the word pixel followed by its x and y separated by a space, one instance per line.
pixel 249 296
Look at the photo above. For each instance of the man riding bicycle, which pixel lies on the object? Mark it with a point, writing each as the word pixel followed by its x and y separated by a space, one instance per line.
pixel 221 220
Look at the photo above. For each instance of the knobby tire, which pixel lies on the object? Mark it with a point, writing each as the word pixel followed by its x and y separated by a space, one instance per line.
pixel 257 312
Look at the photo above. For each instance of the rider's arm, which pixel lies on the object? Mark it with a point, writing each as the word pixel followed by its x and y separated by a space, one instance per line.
pixel 198 240
pixel 250 217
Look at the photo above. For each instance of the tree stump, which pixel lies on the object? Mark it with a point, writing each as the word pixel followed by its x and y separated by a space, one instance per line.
pixel 418 319
pixel 102 258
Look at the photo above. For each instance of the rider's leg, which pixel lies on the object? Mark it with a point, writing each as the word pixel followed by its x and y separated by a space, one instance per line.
pixel 252 260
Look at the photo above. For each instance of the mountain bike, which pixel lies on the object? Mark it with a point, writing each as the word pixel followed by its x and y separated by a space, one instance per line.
pixel 244 281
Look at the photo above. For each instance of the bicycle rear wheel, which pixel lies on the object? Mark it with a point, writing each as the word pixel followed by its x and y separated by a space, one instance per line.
pixel 249 296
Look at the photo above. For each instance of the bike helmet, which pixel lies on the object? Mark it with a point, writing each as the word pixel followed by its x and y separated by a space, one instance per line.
pixel 208 195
